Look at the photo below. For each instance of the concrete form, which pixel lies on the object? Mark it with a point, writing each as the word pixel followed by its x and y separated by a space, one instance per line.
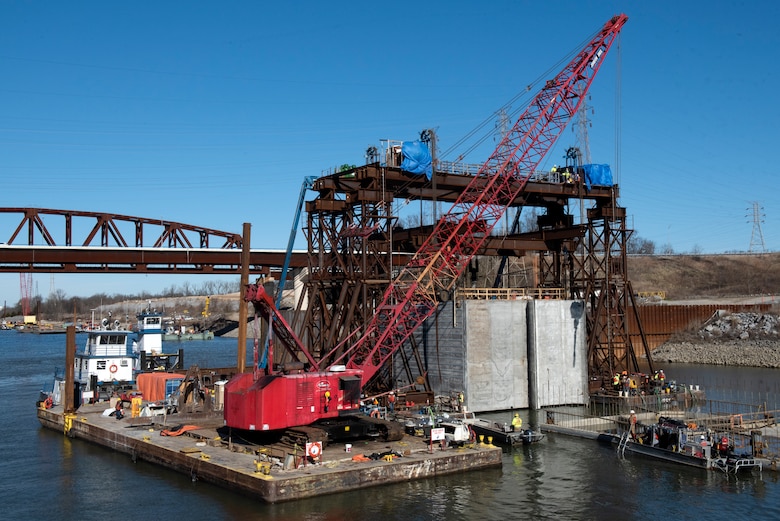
pixel 203 455
pixel 508 354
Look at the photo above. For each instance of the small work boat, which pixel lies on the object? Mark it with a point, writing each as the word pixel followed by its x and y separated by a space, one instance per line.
pixel 501 433
pixel 676 442
pixel 149 344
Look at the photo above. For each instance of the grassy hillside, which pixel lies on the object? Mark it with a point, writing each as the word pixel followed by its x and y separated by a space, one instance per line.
pixel 706 276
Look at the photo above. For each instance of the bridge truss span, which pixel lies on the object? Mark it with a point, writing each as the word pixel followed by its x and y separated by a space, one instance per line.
pixel 67 241
pixel 106 229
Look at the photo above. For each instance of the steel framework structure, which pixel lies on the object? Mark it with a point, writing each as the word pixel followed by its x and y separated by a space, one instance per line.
pixel 604 284
pixel 338 265
pixel 350 258
pixel 351 238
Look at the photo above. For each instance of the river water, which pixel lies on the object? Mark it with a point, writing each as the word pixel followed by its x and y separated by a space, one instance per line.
pixel 48 476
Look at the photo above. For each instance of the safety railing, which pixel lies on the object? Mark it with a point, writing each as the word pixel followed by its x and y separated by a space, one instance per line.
pixel 508 293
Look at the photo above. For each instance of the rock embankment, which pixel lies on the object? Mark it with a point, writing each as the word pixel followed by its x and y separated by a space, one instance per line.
pixel 745 339
pixel 753 353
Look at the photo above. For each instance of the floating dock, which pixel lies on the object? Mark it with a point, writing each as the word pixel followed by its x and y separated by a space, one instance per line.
pixel 204 455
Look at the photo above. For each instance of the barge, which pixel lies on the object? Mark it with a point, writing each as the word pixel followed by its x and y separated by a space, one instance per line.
pixel 203 451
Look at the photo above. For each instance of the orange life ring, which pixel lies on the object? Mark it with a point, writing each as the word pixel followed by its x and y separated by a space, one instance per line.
pixel 314 449
pixel 113 368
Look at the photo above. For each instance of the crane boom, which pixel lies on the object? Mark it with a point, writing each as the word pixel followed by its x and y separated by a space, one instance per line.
pixel 461 232
pixel 305 394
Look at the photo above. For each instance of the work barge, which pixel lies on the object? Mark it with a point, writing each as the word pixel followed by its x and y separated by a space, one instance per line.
pixel 267 472
pixel 683 427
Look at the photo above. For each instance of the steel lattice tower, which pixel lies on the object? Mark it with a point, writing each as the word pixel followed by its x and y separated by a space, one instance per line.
pixel 757 237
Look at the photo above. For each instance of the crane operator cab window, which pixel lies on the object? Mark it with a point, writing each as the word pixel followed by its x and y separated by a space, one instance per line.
pixel 350 385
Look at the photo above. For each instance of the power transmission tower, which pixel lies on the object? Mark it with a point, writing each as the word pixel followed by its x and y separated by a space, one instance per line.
pixel 581 125
pixel 25 288
pixel 757 237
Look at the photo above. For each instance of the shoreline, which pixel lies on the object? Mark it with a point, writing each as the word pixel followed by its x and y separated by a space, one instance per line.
pixel 749 353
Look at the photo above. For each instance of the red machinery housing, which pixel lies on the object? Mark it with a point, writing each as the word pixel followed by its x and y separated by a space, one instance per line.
pixel 280 401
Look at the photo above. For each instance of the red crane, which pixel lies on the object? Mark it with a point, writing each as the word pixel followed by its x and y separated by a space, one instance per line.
pixel 462 231
pixel 299 397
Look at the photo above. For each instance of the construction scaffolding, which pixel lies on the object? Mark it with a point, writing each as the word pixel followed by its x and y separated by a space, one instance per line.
pixel 357 241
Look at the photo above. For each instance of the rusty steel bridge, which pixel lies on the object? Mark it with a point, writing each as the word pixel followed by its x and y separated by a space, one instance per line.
pixel 67 241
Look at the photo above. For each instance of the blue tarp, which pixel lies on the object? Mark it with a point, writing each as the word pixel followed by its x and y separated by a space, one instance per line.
pixel 417 158
pixel 599 175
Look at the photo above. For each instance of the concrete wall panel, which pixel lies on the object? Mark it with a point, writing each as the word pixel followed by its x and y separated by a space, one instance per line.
pixel 496 355
pixel 559 339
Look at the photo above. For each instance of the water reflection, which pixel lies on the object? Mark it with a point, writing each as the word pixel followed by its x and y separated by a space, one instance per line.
pixel 558 478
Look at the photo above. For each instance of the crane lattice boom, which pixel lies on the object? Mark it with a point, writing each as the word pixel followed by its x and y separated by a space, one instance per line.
pixel 461 232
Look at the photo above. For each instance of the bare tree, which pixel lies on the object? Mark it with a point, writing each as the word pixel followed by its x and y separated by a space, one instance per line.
pixel 640 245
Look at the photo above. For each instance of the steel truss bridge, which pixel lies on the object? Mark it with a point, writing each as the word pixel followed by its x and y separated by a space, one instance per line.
pixel 67 241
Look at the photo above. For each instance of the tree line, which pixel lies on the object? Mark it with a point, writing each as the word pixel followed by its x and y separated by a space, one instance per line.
pixel 58 305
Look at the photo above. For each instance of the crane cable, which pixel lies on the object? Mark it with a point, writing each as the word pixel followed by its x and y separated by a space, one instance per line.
pixel 507 106
pixel 618 109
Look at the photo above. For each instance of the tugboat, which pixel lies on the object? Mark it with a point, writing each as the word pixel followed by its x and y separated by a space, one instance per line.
pixel 149 344
pixel 111 360
pixel 106 364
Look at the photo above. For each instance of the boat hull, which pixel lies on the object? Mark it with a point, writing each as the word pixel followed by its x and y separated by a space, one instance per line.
pixel 501 435
pixel 657 453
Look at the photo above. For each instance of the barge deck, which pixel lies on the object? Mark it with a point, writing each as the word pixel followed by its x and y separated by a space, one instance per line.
pixel 203 454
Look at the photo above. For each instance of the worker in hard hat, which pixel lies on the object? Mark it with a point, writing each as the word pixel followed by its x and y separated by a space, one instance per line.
pixel 517 422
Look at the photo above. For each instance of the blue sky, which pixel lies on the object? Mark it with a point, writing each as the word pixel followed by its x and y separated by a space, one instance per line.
pixel 212 113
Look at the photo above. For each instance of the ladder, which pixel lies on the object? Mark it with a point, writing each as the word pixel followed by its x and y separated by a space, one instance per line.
pixel 621 449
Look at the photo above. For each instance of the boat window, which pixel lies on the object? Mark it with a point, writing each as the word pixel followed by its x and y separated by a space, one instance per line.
pixel 123 363
pixel 101 364
pixel 153 320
